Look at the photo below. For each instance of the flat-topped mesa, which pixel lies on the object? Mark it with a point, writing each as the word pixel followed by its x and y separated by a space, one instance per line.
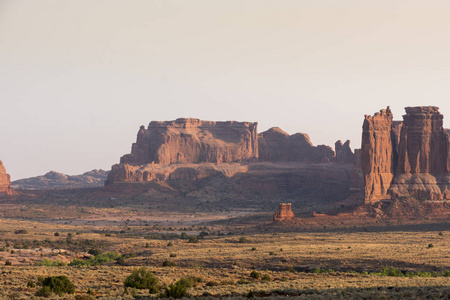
pixel 377 155
pixel 5 181
pixel 283 213
pixel 194 141
pixel 277 145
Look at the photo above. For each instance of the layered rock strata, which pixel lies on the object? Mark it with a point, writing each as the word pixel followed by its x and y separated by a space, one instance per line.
pixel 406 159
pixel 194 141
pixel 283 213
pixel 277 145
pixel 5 181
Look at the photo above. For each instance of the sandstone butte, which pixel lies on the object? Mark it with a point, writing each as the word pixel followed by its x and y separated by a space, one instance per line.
pixel 5 182
pixel 406 159
pixel 192 149
pixel 283 213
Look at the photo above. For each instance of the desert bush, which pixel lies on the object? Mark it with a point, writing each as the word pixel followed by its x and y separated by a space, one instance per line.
pixel 56 234
pixel 169 263
pixel 50 263
pixel 94 252
pixel 430 246
pixel 8 263
pixel 100 259
pixel 21 231
pixel 31 284
pixel 255 274
pixel 142 279
pixel 193 239
pixel 177 290
pixel 266 277
pixel 56 284
pixel 191 281
pixel 243 240
pixel 290 269
pixel 253 249
pixel 169 244
pixel 172 255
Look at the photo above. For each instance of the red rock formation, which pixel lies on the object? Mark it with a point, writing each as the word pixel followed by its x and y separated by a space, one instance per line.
pixel 194 141
pixel 377 155
pixel 423 156
pixel 5 182
pixel 344 153
pixel 408 159
pixel 277 145
pixel 283 213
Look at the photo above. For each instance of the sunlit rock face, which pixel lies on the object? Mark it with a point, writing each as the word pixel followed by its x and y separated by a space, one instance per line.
pixel 5 181
pixel 407 159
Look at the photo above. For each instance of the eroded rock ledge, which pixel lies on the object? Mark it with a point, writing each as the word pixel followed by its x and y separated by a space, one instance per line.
pixel 5 181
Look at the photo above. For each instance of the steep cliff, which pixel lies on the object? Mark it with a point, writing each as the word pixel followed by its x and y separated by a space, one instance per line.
pixel 344 153
pixel 277 145
pixel 5 182
pixel 423 156
pixel 377 155
pixel 194 141
pixel 409 159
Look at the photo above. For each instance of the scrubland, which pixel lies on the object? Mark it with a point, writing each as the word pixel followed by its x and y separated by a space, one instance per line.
pixel 316 263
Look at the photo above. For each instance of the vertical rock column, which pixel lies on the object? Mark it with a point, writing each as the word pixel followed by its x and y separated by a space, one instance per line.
pixel 377 155
pixel 5 182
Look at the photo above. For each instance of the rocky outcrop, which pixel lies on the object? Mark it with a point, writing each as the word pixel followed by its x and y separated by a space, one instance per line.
pixel 377 155
pixel 5 181
pixel 408 159
pixel 194 141
pixel 423 156
pixel 283 213
pixel 277 145
pixel 55 180
pixel 344 153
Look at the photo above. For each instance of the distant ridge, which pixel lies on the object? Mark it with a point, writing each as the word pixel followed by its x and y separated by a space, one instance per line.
pixel 55 180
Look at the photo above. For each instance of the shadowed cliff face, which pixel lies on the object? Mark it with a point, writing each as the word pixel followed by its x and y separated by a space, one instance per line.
pixel 406 159
pixel 5 184
pixel 277 145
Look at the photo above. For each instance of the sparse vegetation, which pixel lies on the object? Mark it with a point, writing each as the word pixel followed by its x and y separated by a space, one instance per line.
pixel 169 263
pixel 142 279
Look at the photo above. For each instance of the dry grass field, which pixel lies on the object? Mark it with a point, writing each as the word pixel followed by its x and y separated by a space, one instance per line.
pixel 224 259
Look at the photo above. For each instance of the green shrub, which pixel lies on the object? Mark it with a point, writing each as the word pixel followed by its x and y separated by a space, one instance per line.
pixel 191 281
pixel 169 244
pixel 177 290
pixel 243 240
pixel 100 259
pixel 142 279
pixel 266 277
pixel 31 284
pixel 21 231
pixel 56 234
pixel 8 263
pixel 255 274
pixel 193 239
pixel 44 291
pixel 290 269
pixel 94 252
pixel 253 249
pixel 172 255
pixel 430 245
pixel 169 263
pixel 56 284
pixel 50 263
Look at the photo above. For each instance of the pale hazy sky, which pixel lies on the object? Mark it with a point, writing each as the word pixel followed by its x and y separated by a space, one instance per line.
pixel 78 78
